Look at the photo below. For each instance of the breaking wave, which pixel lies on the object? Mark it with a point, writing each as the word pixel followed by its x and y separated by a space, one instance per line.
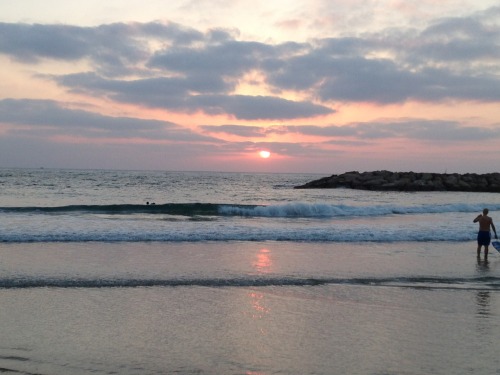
pixel 291 210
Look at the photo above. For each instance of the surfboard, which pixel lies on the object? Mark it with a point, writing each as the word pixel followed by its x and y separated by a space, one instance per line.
pixel 496 245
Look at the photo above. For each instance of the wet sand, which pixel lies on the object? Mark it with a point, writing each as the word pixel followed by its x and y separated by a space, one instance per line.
pixel 249 308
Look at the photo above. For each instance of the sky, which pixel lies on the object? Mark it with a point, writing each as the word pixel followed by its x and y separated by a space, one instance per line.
pixel 325 86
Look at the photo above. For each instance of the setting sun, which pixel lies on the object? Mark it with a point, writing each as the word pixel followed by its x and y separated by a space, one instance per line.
pixel 264 154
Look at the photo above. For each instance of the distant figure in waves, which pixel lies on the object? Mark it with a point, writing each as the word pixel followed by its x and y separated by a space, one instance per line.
pixel 484 236
pixel 147 203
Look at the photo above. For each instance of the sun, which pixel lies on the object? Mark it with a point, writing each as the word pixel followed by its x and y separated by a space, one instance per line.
pixel 264 154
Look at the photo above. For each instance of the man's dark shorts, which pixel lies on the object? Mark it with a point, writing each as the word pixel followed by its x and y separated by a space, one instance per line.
pixel 483 238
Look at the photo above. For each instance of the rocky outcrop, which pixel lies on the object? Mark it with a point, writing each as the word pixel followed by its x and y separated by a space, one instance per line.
pixel 409 181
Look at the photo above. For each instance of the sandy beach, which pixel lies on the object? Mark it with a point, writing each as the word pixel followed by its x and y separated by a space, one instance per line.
pixel 373 309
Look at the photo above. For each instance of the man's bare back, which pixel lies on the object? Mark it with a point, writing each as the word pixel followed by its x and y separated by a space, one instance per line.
pixel 484 221
pixel 484 236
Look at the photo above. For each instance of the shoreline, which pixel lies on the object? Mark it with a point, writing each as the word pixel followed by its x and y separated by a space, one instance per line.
pixel 250 262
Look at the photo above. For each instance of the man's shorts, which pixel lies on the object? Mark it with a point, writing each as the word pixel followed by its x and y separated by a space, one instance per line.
pixel 483 238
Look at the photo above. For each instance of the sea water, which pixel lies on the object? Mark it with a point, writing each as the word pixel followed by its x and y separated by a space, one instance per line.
pixel 112 206
pixel 134 272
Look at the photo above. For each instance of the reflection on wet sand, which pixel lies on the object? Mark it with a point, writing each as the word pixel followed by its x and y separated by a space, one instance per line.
pixel 483 299
pixel 257 301
pixel 263 265
pixel 483 266
pixel 263 262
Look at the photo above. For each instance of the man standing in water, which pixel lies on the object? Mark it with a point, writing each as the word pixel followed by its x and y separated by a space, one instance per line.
pixel 484 236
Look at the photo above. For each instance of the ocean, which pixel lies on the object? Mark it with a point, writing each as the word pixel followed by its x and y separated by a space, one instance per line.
pixel 151 272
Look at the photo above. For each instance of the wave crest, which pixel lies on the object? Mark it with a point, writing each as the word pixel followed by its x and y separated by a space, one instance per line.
pixel 291 210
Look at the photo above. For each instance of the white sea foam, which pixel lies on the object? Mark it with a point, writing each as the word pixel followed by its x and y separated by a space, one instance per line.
pixel 319 210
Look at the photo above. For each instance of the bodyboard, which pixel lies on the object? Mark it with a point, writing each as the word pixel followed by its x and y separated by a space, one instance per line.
pixel 496 245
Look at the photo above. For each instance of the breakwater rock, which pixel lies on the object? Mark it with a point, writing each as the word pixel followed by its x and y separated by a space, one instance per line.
pixel 409 181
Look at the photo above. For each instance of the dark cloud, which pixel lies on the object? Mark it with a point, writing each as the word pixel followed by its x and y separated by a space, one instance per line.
pixel 51 117
pixel 257 107
pixel 113 48
pixel 463 39
pixel 381 80
pixel 454 58
pixel 29 43
pixel 166 65
pixel 160 92
pixel 230 58
pixel 180 94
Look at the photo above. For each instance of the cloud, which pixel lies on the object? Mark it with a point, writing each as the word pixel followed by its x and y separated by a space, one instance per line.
pixel 171 66
pixel 420 129
pixel 413 129
pixel 460 39
pixel 116 48
pixel 258 107
pixel 158 92
pixel 428 130
pixel 239 130
pixel 229 58
pixel 181 94
pixel 49 117
pixel 29 43
pixel 452 58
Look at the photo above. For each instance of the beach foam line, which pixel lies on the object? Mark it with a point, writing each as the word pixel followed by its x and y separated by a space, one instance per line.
pixel 310 233
pixel 479 283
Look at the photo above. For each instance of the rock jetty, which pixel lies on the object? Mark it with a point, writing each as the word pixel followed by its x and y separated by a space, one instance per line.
pixel 409 181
